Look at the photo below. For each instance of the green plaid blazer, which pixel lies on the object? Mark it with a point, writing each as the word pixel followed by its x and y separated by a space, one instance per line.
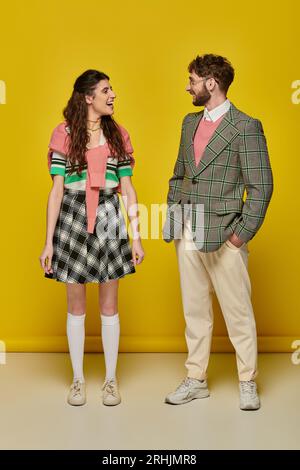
pixel 236 159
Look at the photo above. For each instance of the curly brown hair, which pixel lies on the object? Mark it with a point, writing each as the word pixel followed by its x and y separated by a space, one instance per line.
pixel 76 114
pixel 216 66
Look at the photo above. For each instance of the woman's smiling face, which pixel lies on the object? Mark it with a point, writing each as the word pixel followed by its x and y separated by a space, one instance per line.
pixel 102 101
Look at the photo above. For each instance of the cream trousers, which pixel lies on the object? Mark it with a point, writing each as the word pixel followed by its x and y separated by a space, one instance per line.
pixel 225 272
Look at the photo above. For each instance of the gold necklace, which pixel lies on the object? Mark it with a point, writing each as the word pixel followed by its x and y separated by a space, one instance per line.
pixel 93 130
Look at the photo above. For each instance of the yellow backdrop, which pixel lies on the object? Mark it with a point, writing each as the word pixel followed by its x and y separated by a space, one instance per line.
pixel 145 47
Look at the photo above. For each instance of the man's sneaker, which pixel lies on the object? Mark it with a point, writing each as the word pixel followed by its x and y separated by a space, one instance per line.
pixel 249 399
pixel 188 390
pixel 111 395
pixel 77 393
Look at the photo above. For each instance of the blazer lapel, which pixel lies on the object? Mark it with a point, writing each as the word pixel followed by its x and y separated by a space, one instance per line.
pixel 190 134
pixel 223 135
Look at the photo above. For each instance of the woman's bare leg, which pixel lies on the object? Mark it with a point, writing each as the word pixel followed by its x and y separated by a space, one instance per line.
pixel 76 298
pixel 108 297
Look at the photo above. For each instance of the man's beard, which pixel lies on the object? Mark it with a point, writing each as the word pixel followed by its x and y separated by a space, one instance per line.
pixel 202 99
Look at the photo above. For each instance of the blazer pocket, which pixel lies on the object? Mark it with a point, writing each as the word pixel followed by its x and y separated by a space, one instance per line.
pixel 174 202
pixel 225 207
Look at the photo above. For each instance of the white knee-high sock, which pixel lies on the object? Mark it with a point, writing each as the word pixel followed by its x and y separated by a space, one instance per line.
pixel 110 333
pixel 76 336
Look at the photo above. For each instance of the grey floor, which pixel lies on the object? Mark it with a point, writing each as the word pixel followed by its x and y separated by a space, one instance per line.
pixel 35 415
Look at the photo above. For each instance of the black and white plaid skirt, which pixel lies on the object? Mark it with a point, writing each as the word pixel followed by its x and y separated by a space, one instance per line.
pixel 81 257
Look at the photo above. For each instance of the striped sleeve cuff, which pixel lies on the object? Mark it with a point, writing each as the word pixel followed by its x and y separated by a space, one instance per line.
pixel 124 172
pixel 57 171
pixel 124 168
pixel 58 164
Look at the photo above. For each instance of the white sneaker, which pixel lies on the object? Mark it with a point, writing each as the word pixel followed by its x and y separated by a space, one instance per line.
pixel 249 399
pixel 111 395
pixel 77 393
pixel 188 390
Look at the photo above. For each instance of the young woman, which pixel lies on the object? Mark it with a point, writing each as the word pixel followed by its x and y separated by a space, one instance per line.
pixel 90 160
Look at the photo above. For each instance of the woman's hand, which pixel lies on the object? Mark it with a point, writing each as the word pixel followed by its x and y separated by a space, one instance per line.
pixel 137 252
pixel 46 259
pixel 131 205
